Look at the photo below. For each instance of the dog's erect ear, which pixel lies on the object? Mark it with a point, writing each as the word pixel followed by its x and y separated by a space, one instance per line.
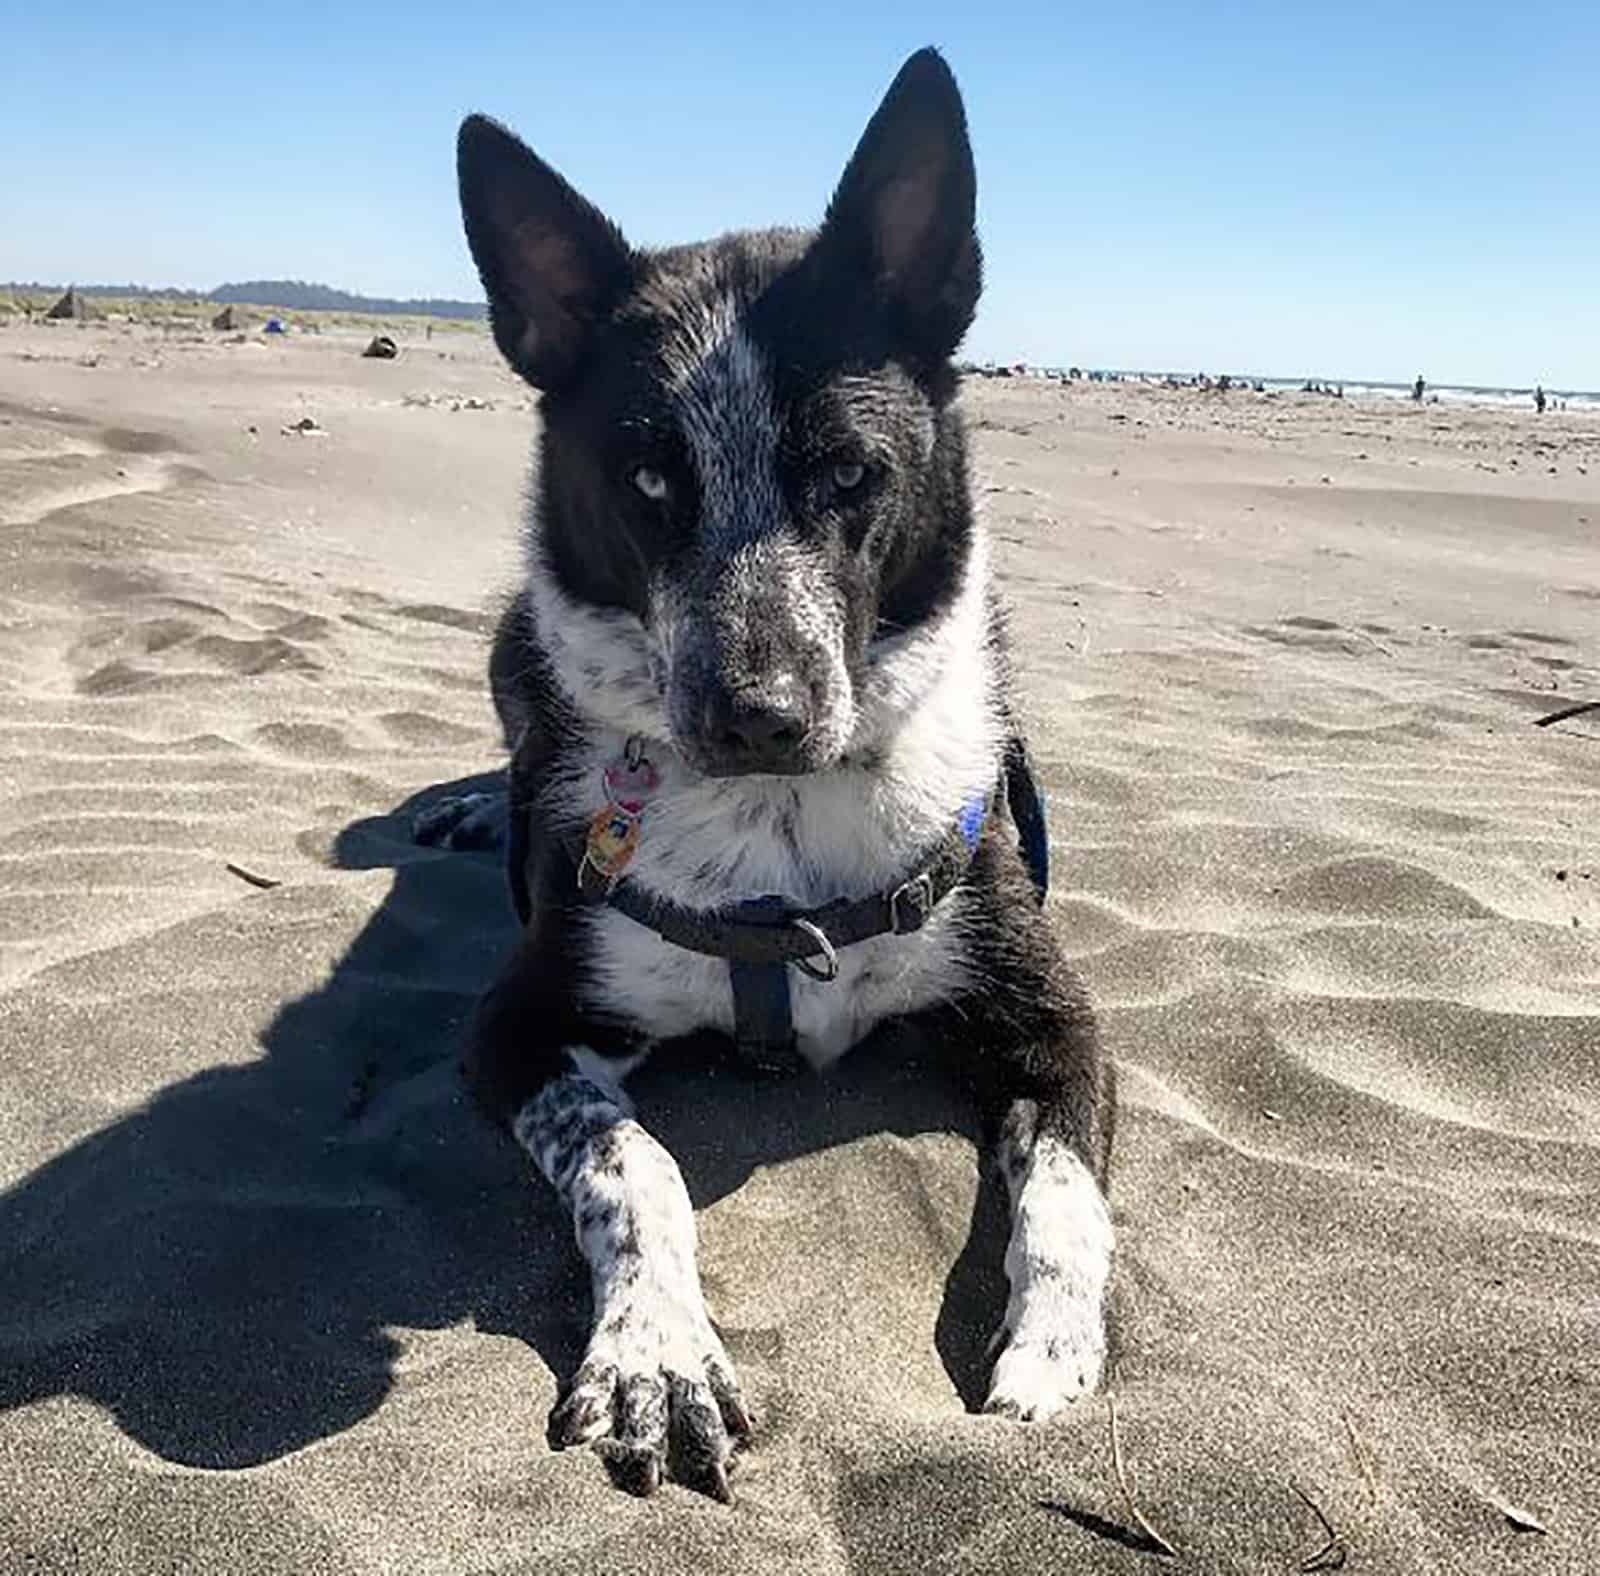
pixel 551 263
pixel 905 208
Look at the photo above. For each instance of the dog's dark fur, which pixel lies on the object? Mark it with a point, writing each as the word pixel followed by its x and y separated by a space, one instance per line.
pixel 752 550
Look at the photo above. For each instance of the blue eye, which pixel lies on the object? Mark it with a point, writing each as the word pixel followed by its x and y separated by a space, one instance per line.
pixel 651 483
pixel 847 476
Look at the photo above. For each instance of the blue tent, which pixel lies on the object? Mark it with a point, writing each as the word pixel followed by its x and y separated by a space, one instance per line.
pixel 275 326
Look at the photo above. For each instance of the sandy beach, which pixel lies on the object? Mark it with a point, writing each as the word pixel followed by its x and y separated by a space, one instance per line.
pixel 275 1300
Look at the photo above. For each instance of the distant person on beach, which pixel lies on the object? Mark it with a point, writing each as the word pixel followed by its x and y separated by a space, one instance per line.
pixel 1418 389
pixel 1538 399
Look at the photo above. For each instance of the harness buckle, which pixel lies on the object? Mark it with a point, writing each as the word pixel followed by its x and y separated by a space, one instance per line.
pixel 910 905
pixel 829 969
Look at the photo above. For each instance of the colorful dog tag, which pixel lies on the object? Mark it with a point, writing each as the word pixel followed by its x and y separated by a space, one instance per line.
pixel 628 782
pixel 613 837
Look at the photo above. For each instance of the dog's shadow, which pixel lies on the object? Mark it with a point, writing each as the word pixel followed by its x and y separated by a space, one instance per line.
pixel 222 1269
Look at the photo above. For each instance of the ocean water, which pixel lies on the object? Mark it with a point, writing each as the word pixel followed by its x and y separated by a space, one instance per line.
pixel 1453 394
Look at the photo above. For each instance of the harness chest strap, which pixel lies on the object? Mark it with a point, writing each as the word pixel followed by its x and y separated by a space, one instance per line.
pixel 761 937
pixel 769 930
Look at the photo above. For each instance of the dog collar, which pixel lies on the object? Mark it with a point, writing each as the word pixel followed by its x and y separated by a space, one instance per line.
pixel 760 938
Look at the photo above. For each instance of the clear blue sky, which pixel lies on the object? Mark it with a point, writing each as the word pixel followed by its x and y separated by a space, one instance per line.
pixel 1351 189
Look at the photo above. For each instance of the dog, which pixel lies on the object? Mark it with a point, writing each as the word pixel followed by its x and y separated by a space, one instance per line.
pixel 766 778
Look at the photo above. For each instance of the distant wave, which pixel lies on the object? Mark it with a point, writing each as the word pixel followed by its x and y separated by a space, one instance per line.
pixel 1358 388
pixel 1465 393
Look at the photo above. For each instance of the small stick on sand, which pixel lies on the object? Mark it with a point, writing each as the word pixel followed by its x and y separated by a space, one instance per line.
pixel 1362 1464
pixel 1566 712
pixel 1138 1515
pixel 1332 1555
pixel 1521 1521
pixel 266 883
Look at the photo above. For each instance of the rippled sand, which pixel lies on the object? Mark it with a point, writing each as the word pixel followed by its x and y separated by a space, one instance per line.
pixel 275 1301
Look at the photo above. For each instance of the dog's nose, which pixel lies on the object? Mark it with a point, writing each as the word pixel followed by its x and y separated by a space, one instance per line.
pixel 758 731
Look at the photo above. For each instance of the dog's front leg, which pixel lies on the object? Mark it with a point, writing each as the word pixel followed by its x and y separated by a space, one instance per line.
pixel 655 1377
pixel 1058 1261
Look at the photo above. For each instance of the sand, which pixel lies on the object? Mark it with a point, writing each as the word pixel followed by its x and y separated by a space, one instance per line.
pixel 272 1299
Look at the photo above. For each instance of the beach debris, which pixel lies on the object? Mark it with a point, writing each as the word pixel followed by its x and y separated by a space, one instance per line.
pixel 448 401
pixel 306 427
pixel 381 348
pixel 230 319
pixel 1332 1554
pixel 266 883
pixel 71 308
pixel 1359 1451
pixel 1552 718
pixel 1521 1521
pixel 1140 1520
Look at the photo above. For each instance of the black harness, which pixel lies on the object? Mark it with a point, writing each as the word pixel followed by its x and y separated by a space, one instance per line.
pixel 762 937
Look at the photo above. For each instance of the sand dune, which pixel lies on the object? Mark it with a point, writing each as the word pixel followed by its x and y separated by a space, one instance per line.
pixel 275 1301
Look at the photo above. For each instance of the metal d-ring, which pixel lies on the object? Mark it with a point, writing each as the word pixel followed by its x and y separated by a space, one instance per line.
pixel 830 959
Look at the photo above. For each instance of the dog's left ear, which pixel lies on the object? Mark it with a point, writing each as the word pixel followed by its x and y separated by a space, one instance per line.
pixel 905 210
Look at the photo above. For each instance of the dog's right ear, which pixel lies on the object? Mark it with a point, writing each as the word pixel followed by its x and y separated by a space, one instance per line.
pixel 552 264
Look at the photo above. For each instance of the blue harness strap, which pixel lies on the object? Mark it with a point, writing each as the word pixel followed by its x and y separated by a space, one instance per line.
pixel 1027 807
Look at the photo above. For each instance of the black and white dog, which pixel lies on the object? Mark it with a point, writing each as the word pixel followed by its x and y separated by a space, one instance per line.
pixel 764 754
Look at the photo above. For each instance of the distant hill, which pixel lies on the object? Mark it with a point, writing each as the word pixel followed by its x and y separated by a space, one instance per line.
pixel 299 296
pixel 293 295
